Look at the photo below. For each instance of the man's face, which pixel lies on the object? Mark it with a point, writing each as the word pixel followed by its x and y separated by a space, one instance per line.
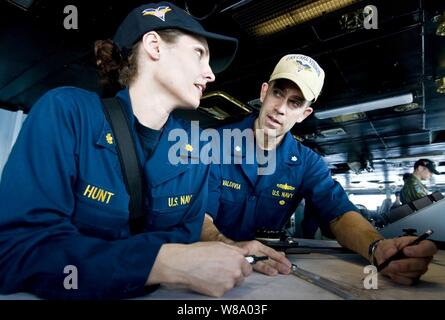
pixel 283 106
pixel 425 173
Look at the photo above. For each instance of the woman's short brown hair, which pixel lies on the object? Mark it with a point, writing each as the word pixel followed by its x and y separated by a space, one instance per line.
pixel 119 68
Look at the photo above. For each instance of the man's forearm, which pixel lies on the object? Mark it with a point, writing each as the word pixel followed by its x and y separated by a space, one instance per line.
pixel 354 232
pixel 211 233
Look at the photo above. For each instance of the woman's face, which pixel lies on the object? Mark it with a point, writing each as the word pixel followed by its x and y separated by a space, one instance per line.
pixel 185 70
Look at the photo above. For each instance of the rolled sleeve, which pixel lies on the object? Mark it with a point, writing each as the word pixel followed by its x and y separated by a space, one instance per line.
pixel 326 195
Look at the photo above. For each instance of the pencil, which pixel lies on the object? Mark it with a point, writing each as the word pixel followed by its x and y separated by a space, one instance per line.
pixel 399 254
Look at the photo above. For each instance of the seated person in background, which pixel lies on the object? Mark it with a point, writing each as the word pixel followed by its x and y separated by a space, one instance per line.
pixel 406 176
pixel 242 199
pixel 397 202
pixel 413 188
pixel 385 207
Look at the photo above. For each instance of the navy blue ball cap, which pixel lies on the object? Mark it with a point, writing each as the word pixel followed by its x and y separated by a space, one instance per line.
pixel 164 15
pixel 428 164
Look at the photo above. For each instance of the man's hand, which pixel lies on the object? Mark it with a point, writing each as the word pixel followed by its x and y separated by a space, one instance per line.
pixel 277 262
pixel 408 270
pixel 210 268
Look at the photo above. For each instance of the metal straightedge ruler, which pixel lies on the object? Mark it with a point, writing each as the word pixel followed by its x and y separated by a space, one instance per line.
pixel 329 285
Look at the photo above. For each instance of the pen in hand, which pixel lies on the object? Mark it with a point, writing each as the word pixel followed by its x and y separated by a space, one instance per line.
pixel 252 259
pixel 399 254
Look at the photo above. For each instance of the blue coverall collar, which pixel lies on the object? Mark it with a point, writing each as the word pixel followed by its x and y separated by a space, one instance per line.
pixel 124 96
pixel 158 168
pixel 246 123
pixel 286 153
pixel 286 150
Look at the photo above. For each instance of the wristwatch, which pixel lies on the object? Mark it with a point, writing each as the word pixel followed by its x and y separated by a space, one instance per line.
pixel 371 251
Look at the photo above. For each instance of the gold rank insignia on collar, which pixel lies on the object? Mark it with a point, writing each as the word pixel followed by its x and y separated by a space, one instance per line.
pixel 188 147
pixel 285 187
pixel 109 138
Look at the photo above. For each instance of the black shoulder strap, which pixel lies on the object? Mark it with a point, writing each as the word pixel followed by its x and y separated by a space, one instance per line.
pixel 130 165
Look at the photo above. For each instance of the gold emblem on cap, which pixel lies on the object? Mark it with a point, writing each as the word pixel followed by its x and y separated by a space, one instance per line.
pixel 109 138
pixel 159 12
pixel 282 202
pixel 285 186
pixel 188 147
pixel 302 66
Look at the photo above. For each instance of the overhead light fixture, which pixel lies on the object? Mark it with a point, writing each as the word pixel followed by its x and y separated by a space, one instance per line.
pixel 349 117
pixel 329 133
pixel 407 107
pixel 286 17
pixel 441 85
pixel 366 106
pixel 440 31
pixel 220 105
pixel 298 138
pixel 255 103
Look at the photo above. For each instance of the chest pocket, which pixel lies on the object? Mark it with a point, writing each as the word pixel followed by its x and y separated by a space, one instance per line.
pixel 101 212
pixel 233 200
pixel 232 205
pixel 274 210
pixel 233 191
pixel 99 220
pixel 168 211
